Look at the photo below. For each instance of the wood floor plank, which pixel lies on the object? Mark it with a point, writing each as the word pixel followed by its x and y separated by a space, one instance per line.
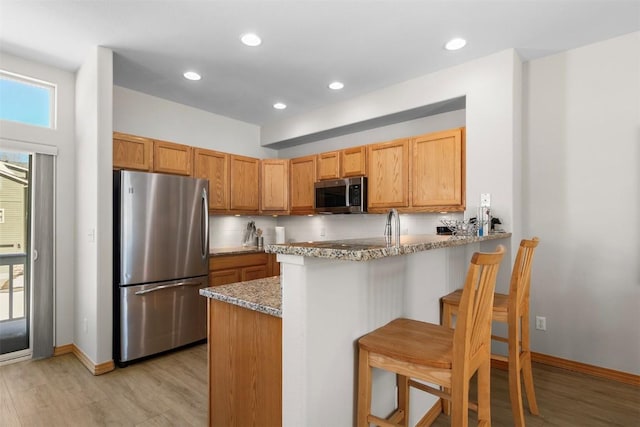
pixel 159 421
pixel 565 399
pixel 9 417
pixel 171 390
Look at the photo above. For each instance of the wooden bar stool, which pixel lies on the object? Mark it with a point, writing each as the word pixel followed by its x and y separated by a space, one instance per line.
pixel 436 354
pixel 512 309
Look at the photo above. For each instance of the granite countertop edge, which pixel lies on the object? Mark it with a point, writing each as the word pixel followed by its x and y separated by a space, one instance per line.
pixel 416 244
pixel 261 295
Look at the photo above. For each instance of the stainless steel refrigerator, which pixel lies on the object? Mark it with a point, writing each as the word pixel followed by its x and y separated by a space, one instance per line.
pixel 161 252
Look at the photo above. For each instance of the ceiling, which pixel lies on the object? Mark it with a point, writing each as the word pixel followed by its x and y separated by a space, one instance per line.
pixel 306 45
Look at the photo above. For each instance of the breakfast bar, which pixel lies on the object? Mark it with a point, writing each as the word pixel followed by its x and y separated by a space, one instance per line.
pixel 332 293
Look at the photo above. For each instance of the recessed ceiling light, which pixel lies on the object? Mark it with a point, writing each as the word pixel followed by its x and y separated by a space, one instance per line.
pixel 336 85
pixel 455 44
pixel 192 75
pixel 279 106
pixel 251 39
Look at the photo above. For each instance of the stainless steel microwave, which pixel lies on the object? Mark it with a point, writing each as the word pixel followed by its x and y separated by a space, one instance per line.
pixel 348 195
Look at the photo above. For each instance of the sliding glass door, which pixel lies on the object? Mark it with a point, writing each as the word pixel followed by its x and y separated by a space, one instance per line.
pixel 15 295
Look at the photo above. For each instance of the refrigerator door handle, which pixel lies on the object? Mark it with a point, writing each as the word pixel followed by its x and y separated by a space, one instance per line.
pixel 161 287
pixel 205 221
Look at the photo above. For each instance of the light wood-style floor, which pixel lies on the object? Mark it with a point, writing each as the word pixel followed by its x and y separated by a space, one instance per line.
pixel 171 390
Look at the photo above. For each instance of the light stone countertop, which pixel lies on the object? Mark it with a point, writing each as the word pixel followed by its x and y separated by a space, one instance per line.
pixel 263 295
pixel 375 248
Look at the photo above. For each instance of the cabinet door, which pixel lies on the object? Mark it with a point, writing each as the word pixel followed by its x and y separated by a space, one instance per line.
pixel 302 178
pixel 329 165
pixel 244 176
pixel 214 166
pixel 275 186
pixel 388 175
pixel 169 157
pixel 132 152
pixel 273 266
pixel 224 277
pixel 254 272
pixel 354 162
pixel 437 170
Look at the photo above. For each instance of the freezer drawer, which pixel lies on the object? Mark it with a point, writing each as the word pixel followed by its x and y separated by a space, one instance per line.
pixel 162 316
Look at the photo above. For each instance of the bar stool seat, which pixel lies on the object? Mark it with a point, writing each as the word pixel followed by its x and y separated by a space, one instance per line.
pixel 436 354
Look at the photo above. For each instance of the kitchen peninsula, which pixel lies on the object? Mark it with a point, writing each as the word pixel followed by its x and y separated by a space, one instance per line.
pixel 331 294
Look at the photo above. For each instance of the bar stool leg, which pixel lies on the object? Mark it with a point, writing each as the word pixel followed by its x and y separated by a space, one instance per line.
pixel 446 321
pixel 515 390
pixel 484 387
pixel 527 373
pixel 403 398
pixel 460 403
pixel 364 388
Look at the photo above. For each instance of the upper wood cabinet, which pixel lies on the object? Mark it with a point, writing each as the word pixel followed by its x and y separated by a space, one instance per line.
pixel 329 165
pixel 353 162
pixel 302 177
pixel 388 172
pixel 214 166
pixel 345 163
pixel 244 175
pixel 169 157
pixel 424 173
pixel 437 170
pixel 132 152
pixel 274 178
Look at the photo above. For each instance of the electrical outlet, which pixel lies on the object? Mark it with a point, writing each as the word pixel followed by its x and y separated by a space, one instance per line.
pixel 485 200
pixel 323 232
pixel 541 323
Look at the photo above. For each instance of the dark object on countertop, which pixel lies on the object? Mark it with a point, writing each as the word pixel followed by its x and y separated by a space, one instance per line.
pixel 494 222
pixel 444 231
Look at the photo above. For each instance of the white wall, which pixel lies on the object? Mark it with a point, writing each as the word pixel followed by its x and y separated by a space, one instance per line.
pixel 93 290
pixel 140 114
pixel 62 138
pixel 581 197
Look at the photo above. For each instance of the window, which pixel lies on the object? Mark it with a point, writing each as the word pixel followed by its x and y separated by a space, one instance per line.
pixel 27 100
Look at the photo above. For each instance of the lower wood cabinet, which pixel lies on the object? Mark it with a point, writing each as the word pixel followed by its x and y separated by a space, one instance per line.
pixel 245 366
pixel 225 269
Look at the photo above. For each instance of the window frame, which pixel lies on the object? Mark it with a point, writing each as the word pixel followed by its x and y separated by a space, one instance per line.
pixel 53 98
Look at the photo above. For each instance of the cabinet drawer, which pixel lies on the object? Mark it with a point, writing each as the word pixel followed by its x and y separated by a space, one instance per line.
pixel 227 262
pixel 255 272
pixel 223 277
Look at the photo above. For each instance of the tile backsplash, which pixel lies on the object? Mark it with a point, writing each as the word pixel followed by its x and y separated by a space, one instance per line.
pixel 227 231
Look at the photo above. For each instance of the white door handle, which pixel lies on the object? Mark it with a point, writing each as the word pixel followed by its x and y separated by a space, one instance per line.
pixel 35 254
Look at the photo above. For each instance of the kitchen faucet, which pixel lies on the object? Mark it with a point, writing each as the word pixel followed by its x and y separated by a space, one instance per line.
pixel 387 228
